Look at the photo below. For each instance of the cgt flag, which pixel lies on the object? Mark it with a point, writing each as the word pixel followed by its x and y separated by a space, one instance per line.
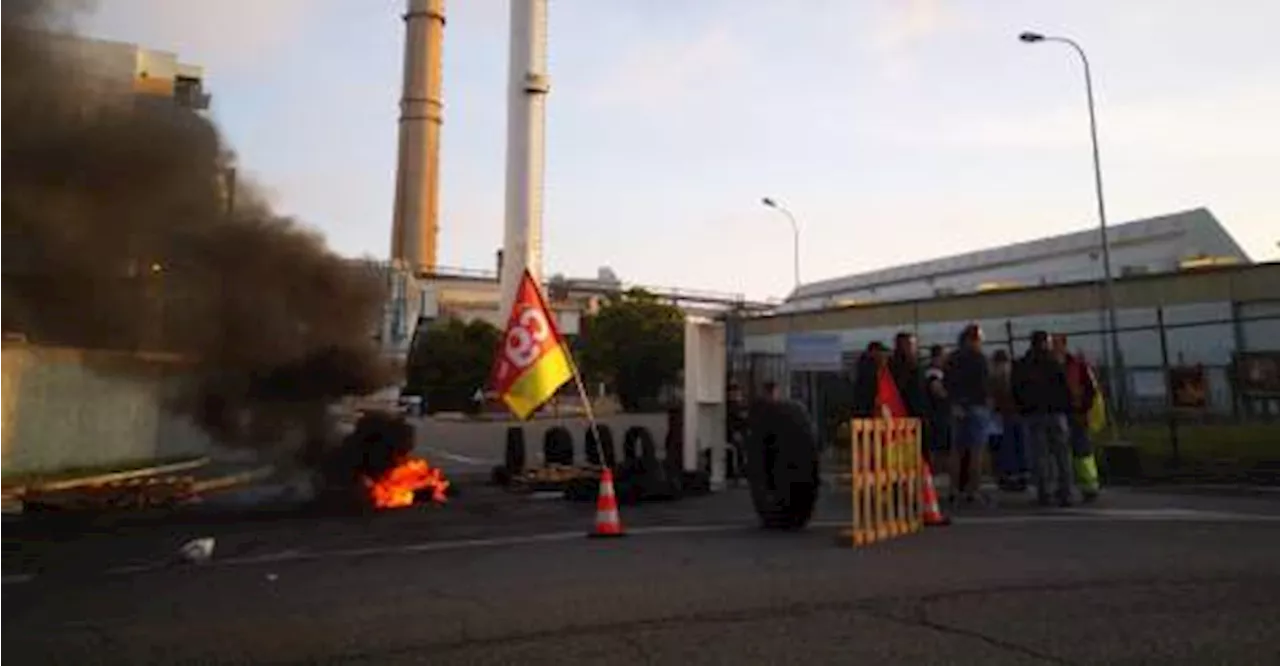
pixel 531 364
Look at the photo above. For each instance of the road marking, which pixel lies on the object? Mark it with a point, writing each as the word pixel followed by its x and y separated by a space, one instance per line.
pixel 16 579
pixel 134 568
pixel 457 457
pixel 1078 516
pixel 1223 487
pixel 1120 515
pixel 467 544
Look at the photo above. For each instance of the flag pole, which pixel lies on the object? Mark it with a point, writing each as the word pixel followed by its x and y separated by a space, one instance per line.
pixel 586 400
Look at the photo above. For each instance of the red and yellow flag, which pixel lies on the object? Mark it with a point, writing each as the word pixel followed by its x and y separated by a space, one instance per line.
pixel 532 363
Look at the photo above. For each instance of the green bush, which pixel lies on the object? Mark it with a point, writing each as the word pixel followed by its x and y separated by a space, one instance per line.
pixel 449 361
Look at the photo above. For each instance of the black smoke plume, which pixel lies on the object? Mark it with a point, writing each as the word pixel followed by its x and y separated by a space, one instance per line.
pixel 123 230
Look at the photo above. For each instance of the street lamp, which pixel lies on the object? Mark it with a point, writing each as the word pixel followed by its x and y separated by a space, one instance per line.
pixel 1108 294
pixel 795 230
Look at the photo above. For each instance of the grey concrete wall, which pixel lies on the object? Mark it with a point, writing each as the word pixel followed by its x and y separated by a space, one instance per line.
pixel 67 409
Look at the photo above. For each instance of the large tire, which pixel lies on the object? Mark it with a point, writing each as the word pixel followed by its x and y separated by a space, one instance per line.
pixel 634 441
pixel 557 446
pixel 782 464
pixel 599 449
pixel 514 456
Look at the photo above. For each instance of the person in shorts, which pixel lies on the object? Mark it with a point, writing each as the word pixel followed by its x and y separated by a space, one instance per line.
pixel 968 387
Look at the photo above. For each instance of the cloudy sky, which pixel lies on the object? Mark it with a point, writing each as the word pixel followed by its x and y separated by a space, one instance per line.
pixel 895 130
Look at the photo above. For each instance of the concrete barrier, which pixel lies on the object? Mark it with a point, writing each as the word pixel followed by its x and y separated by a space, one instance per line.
pixel 67 409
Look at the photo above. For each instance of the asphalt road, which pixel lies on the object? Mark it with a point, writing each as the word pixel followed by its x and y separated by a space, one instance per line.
pixel 1144 578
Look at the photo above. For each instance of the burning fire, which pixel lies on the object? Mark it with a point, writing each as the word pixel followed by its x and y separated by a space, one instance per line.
pixel 396 488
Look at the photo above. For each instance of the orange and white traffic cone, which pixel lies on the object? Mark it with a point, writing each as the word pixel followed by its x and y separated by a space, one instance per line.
pixel 608 524
pixel 933 516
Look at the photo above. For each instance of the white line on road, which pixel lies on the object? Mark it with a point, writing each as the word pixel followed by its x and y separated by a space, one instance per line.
pixel 1121 515
pixel 457 457
pixel 1228 487
pixel 1078 516
pixel 18 578
pixel 1066 516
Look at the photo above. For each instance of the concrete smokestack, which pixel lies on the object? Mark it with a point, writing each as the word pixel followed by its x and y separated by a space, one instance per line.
pixel 415 225
pixel 527 89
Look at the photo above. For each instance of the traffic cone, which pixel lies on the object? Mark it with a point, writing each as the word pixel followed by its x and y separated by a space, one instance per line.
pixel 933 516
pixel 608 524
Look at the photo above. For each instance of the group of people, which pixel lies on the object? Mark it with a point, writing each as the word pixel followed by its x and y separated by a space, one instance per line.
pixel 1032 414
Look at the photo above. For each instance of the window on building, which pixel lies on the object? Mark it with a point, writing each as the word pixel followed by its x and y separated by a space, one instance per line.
pixel 189 92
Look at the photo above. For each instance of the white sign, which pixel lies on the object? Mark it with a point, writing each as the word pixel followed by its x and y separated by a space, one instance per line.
pixel 813 352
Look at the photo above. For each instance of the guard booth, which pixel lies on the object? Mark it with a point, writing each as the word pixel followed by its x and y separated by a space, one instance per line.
pixel 705 354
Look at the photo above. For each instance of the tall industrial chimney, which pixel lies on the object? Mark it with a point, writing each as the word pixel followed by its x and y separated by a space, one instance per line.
pixel 415 225
pixel 527 89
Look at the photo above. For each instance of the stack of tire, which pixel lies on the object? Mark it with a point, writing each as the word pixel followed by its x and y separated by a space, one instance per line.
pixel 782 464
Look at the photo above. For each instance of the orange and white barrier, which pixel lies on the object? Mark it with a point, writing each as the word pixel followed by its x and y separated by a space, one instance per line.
pixel 887 473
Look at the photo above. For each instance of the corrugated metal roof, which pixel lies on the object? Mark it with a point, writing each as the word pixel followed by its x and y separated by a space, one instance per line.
pixel 1153 227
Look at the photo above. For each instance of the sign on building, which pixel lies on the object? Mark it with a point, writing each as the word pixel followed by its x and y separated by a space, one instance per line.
pixel 813 352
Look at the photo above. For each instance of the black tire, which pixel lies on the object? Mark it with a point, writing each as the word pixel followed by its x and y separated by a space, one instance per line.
pixel 637 442
pixel 608 451
pixel 514 457
pixel 599 447
pixel 782 465
pixel 557 446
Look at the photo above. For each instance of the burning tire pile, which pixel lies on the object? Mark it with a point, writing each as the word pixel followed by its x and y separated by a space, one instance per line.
pixel 374 467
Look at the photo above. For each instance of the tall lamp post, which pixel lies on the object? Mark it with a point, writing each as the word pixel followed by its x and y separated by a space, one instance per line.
pixel 795 265
pixel 1108 295
pixel 795 231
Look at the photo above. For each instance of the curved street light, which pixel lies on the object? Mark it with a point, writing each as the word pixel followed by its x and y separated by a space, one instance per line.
pixel 795 231
pixel 1107 289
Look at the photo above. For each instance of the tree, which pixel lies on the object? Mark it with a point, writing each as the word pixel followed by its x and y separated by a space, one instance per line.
pixel 449 361
pixel 635 343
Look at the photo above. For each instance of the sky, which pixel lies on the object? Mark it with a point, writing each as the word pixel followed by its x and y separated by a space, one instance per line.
pixel 894 130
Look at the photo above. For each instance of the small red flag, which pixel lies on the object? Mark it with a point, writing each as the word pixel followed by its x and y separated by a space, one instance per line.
pixel 888 400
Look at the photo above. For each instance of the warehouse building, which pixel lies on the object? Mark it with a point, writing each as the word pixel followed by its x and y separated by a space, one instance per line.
pixel 1163 244
pixel 1188 300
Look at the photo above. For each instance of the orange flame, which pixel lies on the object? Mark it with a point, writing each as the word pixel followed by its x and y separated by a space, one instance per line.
pixel 396 488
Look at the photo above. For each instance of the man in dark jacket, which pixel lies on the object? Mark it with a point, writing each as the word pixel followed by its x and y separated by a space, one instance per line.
pixel 865 376
pixel 1042 396
pixel 904 366
pixel 938 422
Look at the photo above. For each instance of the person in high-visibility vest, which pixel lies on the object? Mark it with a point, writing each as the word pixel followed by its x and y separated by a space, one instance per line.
pixel 1085 393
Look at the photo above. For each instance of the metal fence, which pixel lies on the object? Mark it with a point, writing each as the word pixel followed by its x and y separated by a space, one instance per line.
pixel 1207 368
pixel 1210 362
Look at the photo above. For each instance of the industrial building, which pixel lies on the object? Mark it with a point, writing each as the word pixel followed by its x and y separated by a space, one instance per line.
pixel 119 72
pixel 420 291
pixel 1188 300
pixel 1163 244
pixel 469 294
